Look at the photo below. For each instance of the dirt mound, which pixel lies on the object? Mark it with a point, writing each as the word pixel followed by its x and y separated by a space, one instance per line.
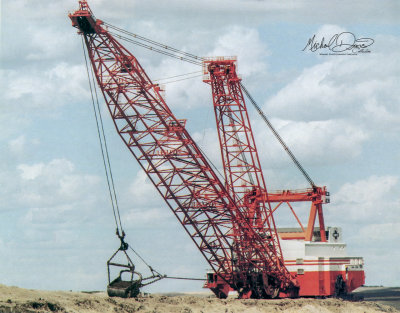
pixel 13 299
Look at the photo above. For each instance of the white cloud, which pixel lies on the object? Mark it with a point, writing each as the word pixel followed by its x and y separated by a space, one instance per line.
pixel 45 89
pixel 375 197
pixel 47 43
pixel 29 172
pixel 244 43
pixel 367 210
pixel 370 190
pixel 227 11
pixel 145 217
pixel 314 142
pixel 375 254
pixel 209 143
pixel 142 190
pixel 49 217
pixel 16 146
pixel 376 233
pixel 377 243
pixel 360 88
pixel 328 30
pixel 184 94
pixel 51 205
pixel 48 185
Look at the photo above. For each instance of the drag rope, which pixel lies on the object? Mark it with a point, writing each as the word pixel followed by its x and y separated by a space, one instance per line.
pixel 185 278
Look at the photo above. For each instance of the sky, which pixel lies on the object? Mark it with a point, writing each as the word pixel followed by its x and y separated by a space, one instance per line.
pixel 339 114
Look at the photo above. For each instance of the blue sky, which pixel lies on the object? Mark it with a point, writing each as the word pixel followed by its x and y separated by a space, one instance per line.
pixel 339 114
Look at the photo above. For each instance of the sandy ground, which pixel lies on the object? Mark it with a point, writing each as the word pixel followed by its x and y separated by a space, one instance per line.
pixel 13 299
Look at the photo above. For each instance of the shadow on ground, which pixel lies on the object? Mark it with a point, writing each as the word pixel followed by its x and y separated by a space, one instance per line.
pixel 384 295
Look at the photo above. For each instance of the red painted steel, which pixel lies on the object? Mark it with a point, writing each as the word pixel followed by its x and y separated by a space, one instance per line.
pixel 244 178
pixel 243 175
pixel 232 224
pixel 242 169
pixel 224 234
pixel 317 196
pixel 322 283
pixel 312 283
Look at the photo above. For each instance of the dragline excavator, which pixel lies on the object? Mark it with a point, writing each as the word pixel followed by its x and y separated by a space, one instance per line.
pixel 231 222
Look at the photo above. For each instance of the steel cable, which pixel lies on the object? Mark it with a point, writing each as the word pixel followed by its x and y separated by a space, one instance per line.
pixel 165 78
pixel 184 278
pixel 187 59
pixel 178 80
pixel 109 181
pixel 107 154
pixel 163 46
pixel 191 58
pixel 288 151
pixel 107 165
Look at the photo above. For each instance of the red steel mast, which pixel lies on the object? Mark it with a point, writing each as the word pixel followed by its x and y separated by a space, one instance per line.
pixel 244 179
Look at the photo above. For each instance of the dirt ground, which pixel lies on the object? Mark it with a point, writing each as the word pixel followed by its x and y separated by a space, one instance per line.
pixel 13 299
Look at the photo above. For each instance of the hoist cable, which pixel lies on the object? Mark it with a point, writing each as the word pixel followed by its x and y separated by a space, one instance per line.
pixel 107 154
pixel 107 165
pixel 99 136
pixel 106 159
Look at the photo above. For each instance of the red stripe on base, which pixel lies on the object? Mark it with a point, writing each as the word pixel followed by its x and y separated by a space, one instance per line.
pixel 322 283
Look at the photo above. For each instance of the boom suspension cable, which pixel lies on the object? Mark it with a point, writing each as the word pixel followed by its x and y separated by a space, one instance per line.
pixel 289 152
pixel 165 78
pixel 191 58
pixel 178 80
pixel 182 58
pixel 163 46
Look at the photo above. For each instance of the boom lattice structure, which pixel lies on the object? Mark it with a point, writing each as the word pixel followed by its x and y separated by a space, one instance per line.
pixel 213 217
